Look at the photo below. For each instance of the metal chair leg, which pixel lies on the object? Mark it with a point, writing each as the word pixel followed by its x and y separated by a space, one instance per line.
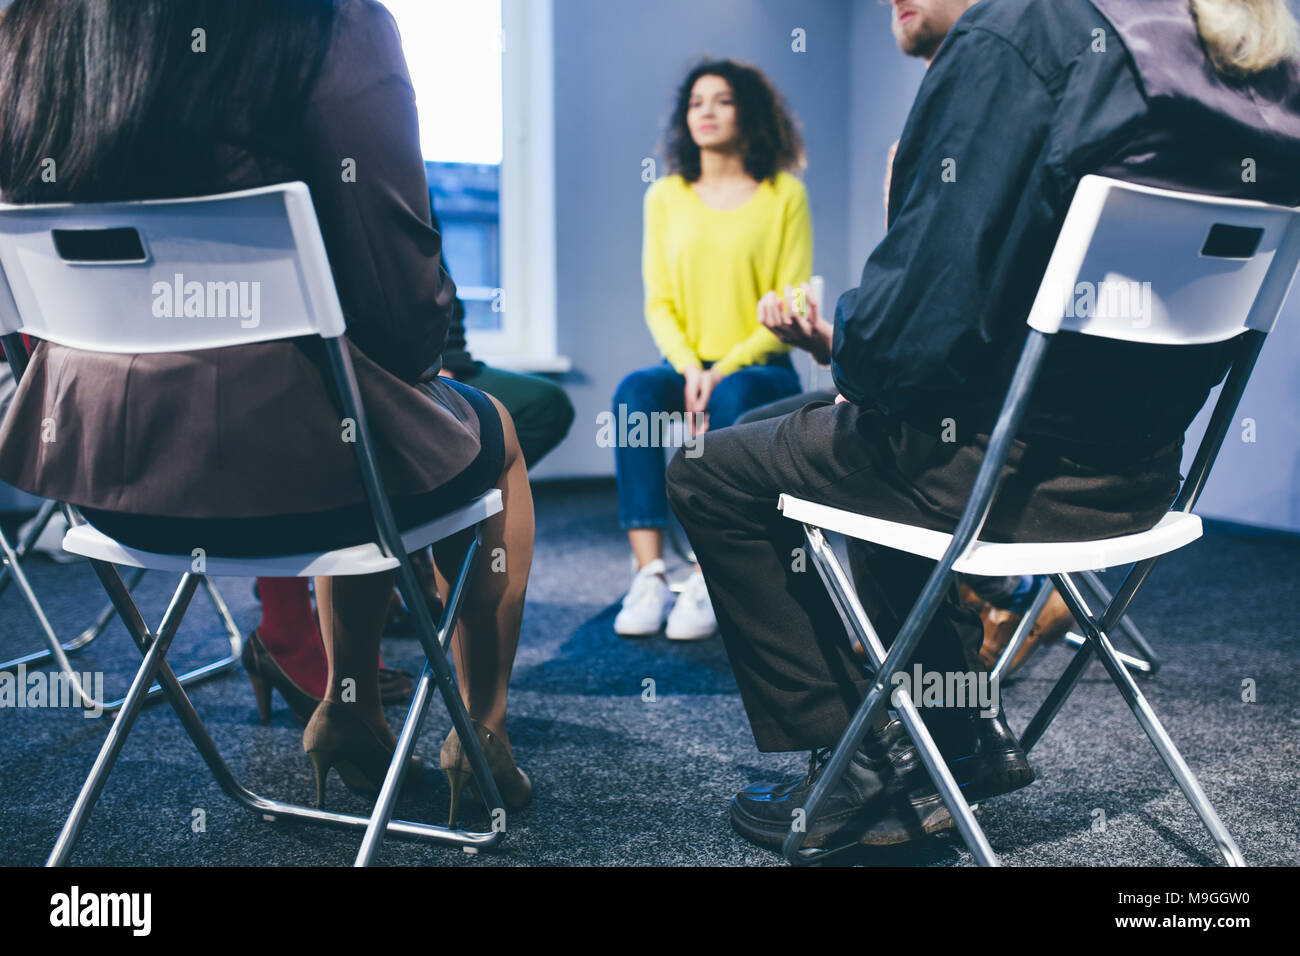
pixel 106 614
pixel 1134 664
pixel 206 671
pixel 56 649
pixel 1116 608
pixel 1049 708
pixel 1026 625
pixel 1150 661
pixel 844 596
pixel 436 667
pixel 1154 730
pixel 155 650
pixel 25 544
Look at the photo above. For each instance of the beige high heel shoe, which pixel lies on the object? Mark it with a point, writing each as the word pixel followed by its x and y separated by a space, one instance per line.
pixel 512 783
pixel 336 737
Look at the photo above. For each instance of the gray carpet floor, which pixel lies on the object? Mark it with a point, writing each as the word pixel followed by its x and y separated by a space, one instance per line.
pixel 620 780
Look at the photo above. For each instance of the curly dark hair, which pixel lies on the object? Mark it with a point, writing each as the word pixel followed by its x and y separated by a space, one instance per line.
pixel 770 140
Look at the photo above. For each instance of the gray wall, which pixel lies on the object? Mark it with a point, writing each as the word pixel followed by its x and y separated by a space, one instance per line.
pixel 1256 479
pixel 617 66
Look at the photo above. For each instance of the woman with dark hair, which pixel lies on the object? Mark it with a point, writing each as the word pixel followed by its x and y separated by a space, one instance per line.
pixel 237 450
pixel 727 226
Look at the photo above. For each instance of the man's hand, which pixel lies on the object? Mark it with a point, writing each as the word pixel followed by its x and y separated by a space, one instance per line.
pixel 796 320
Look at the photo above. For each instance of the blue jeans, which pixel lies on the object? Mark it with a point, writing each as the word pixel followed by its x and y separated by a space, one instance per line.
pixel 639 462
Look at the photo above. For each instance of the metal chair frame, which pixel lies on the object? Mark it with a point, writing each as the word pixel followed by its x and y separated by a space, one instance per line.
pixel 10 568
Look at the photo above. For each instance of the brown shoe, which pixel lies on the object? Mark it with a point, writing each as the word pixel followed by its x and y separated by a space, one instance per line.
pixel 395 687
pixel 1000 625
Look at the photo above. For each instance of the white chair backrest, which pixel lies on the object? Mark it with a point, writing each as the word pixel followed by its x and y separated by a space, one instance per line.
pixel 1153 265
pixel 169 275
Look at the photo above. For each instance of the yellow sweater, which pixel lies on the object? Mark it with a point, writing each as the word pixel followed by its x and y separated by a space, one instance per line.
pixel 705 270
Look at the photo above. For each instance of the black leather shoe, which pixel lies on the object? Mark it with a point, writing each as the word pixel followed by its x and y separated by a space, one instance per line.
pixel 914 807
pixel 885 796
pixel 996 766
pixel 763 813
pixel 911 807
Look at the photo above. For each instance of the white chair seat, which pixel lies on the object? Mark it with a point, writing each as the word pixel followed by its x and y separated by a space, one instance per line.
pixel 1175 530
pixel 358 559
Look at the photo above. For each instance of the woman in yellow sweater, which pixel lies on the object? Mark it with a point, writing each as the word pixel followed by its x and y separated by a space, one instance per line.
pixel 727 226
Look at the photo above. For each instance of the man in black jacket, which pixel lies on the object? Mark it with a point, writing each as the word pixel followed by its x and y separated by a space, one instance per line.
pixel 1023 98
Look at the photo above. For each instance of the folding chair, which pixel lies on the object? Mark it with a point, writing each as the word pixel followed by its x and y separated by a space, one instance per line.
pixel 10 558
pixel 1218 269
pixel 80 276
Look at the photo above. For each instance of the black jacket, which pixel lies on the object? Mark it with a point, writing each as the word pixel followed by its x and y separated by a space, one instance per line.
pixel 1024 98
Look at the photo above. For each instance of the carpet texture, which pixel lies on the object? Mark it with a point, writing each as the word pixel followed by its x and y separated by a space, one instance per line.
pixel 623 780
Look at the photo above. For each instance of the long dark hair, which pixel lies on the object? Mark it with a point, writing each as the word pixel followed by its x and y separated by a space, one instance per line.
pixel 770 141
pixel 131 101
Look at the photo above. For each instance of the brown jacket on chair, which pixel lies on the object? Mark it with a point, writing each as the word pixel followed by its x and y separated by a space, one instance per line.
pixel 251 431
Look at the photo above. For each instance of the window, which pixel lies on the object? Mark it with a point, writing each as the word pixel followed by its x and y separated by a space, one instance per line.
pixel 479 70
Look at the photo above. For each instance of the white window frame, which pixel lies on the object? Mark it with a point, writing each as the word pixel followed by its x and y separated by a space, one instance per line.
pixel 526 340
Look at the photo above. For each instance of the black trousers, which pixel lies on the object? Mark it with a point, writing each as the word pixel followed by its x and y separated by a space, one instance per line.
pixel 784 406
pixel 798 678
pixel 997 591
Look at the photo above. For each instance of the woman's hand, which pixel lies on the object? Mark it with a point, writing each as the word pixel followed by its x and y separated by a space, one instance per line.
pixel 699 386
pixel 708 380
pixel 691 399
pixel 801 327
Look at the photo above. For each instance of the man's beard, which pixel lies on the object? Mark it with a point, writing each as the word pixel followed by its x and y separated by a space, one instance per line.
pixel 922 42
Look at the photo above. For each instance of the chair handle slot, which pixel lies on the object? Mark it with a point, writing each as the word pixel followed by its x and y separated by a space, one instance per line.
pixel 1232 242
pixel 99 246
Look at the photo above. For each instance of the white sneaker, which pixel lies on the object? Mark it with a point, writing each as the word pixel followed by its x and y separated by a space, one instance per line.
pixel 647 603
pixel 692 618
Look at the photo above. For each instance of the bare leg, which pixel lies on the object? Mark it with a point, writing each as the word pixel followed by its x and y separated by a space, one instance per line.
pixel 647 545
pixel 352 611
pixel 487 633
